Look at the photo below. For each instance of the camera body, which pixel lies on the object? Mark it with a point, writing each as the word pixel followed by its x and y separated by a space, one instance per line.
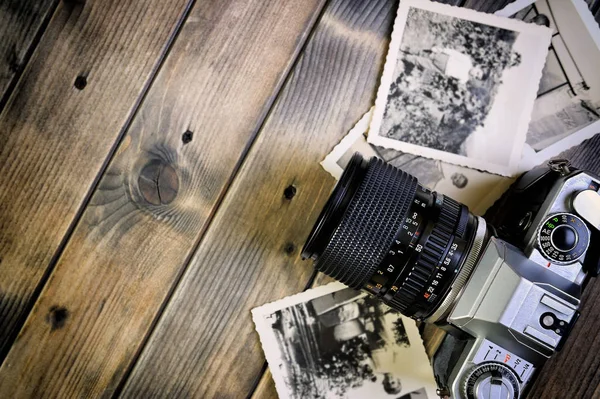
pixel 522 297
pixel 507 287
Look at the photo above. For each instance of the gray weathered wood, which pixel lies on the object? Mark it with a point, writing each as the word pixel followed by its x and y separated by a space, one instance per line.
pixel 21 22
pixel 486 5
pixel 158 193
pixel 55 137
pixel 250 255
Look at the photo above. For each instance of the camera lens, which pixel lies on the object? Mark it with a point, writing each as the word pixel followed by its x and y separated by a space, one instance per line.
pixel 383 232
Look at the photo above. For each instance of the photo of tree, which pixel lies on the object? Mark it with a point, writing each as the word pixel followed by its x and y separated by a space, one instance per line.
pixel 446 78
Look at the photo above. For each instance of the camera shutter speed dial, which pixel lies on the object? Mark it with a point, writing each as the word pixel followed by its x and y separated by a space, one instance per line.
pixel 491 380
pixel 563 238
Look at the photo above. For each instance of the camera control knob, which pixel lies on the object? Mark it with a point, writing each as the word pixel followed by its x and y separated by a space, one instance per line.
pixel 587 205
pixel 491 380
pixel 563 238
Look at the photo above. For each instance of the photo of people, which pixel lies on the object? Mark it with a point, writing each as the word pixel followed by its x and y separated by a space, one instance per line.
pixel 342 343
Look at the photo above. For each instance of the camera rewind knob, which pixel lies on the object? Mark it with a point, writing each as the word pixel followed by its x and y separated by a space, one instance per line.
pixel 587 205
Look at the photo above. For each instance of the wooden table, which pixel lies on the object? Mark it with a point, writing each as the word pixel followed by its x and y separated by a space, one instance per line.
pixel 160 173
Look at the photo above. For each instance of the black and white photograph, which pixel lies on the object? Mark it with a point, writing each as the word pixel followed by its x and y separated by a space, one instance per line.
pixel 336 342
pixel 459 86
pixel 567 108
pixel 478 190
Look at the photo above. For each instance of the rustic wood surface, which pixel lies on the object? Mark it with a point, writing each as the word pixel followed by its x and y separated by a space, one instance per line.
pixel 21 25
pixel 154 199
pixel 73 99
pixel 250 255
pixel 147 206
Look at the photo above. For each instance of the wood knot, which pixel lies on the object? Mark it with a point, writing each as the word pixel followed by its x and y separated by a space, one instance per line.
pixel 57 317
pixel 158 183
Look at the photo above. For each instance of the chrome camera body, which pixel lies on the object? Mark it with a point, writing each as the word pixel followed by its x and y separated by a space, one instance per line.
pixel 507 288
pixel 522 298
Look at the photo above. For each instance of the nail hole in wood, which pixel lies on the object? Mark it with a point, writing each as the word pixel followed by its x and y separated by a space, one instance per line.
pixel 289 248
pixel 80 82
pixel 57 317
pixel 187 136
pixel 289 192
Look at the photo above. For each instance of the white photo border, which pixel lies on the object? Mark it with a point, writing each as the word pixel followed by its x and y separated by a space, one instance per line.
pixel 273 354
pixel 330 162
pixel 388 76
pixel 530 158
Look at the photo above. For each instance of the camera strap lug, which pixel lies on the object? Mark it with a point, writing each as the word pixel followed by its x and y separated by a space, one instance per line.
pixel 561 166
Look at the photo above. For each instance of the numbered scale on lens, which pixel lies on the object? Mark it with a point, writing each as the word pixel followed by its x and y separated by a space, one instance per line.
pixel 405 242
pixel 563 238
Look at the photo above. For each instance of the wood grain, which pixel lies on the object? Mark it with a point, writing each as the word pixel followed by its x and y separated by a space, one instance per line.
pixel 156 196
pixel 205 344
pixel 21 23
pixel 489 6
pixel 266 387
pixel 54 137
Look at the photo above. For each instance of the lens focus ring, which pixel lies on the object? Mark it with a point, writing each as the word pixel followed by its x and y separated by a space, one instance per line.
pixel 430 257
pixel 369 226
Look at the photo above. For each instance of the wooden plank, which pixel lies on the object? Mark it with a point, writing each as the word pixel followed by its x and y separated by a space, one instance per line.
pixel 63 119
pixel 204 344
pixel 21 23
pixel 155 199
pixel 266 387
pixel 489 6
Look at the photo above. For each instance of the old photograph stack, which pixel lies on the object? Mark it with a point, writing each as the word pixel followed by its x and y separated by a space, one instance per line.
pixel 459 86
pixel 444 96
pixel 335 342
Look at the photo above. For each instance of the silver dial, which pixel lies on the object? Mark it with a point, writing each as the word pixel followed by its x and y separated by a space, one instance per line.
pixel 491 380
pixel 563 238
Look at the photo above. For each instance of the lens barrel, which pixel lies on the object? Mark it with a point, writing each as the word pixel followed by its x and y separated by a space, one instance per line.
pixel 383 232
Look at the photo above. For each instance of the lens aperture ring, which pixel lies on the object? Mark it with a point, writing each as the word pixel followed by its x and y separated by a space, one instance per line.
pixel 412 283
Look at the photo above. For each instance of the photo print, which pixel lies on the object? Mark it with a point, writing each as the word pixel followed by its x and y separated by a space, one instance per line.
pixel 459 86
pixel 336 342
pixel 567 108
pixel 478 190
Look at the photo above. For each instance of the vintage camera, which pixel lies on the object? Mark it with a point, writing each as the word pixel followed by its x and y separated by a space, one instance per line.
pixel 509 295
